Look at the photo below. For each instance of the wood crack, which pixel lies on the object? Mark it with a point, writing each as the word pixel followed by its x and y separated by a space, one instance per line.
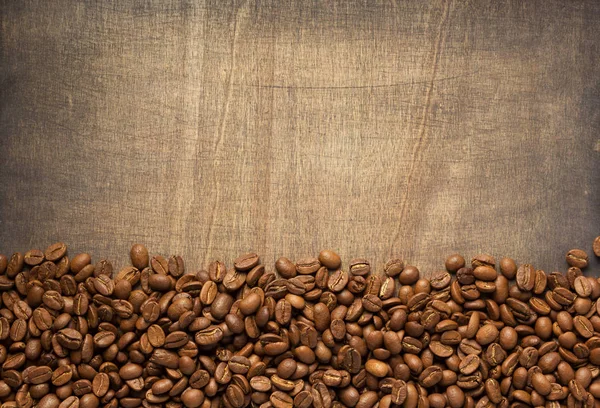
pixel 420 144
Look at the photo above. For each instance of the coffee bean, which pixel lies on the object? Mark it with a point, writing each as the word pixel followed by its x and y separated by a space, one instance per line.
pixel 485 273
pixel 159 282
pixel 577 258
pixel 430 376
pixel 311 339
pixel 246 262
pixel 130 371
pixel 15 265
pixel 372 303
pixel 541 384
pixel 596 246
pixel 209 336
pixel 577 390
pixel 280 399
pixel 487 334
pixel 3 263
pixel 303 399
pixel 562 296
pixel 369 399
pixel 176 339
pixel 49 401
pixel 100 384
pixel 192 398
pixel 80 261
pixel 454 262
pixel 260 383
pixel 583 326
pixel 33 257
pixel 250 304
pixel 526 277
pixel 37 374
pixel 409 275
pixel 469 364
pixel 440 280
pixel 55 251
pixel 307 266
pixel 376 368
pixel 61 375
pixel 162 386
pixel 53 300
pixel 69 338
pixel 338 281
pixel 70 402
pixel 582 286
pixel 104 339
pixel 285 268
pixel 465 276
pixel 221 305
pixel 104 285
pixel 176 266
pixel 330 259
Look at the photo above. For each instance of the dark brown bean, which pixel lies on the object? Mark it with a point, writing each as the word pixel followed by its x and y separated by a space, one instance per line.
pixel 577 258
pixel 330 259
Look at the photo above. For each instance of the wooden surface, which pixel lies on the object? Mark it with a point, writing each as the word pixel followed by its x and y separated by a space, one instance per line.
pixel 404 128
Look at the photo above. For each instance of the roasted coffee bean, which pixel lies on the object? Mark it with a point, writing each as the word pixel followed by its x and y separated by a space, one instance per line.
pixel 209 336
pixel 307 266
pixel 439 349
pixel 330 259
pixel 469 364
pixel 487 334
pixel 250 304
pixel 69 338
pixel 440 280
pixel 192 398
pixel 246 262
pixel 239 364
pixel 15 265
pixel 541 384
pixel 359 267
pixel 306 339
pixel 583 326
pixel 280 399
pixel 303 399
pixel 338 281
pixel 53 300
pixel 61 375
pixel 55 251
pixel 577 258
pixel 376 368
pixel 33 257
pixel 409 275
pixel 454 262
pixel 582 286
pixel 526 277
pixel 37 374
pixel 596 246
pixel 100 384
pixel 260 383
pixel 139 256
pixel 430 376
pixel 577 390
pixel 285 268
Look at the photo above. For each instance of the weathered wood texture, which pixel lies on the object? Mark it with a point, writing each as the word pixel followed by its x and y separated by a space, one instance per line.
pixel 405 128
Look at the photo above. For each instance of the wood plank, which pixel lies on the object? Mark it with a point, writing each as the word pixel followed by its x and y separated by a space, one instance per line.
pixel 412 129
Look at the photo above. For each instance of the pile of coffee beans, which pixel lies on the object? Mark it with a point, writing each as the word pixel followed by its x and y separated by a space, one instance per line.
pixel 311 333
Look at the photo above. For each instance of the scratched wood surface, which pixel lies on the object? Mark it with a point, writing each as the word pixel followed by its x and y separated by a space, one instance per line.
pixel 211 128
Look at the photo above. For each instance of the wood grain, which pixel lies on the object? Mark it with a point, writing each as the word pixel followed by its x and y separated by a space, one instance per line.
pixel 378 129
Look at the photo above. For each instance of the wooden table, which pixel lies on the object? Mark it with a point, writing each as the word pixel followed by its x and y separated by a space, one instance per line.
pixel 209 128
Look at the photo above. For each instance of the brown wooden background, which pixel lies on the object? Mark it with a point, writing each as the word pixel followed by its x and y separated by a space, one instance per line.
pixel 209 128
